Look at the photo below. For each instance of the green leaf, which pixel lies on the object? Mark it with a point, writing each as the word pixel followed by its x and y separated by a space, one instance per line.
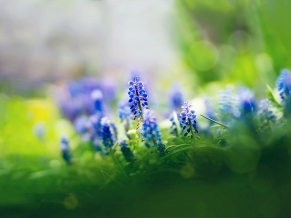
pixel 272 99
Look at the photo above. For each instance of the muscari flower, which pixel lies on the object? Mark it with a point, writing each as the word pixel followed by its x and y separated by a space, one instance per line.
pixel 107 134
pixel 126 151
pixel 284 84
pixel 228 105
pixel 81 124
pixel 209 112
pixel 188 119
pixel 97 98
pixel 65 149
pixel 151 132
pixel 124 114
pixel 266 115
pixel 176 97
pixel 174 124
pixel 247 101
pixel 137 97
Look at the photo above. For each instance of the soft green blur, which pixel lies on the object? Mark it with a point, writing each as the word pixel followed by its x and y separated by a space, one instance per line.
pixel 235 41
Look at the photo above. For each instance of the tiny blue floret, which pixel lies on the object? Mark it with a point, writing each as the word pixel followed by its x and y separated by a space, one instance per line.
pixel 65 149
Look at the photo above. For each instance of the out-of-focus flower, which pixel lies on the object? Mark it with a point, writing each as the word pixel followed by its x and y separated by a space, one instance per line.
pixel 107 134
pixel 174 125
pixel 176 97
pixel 247 100
pixel 137 97
pixel 39 130
pixel 97 98
pixel 75 98
pixel 126 151
pixel 228 106
pixel 151 132
pixel 266 115
pixel 95 125
pixel 209 112
pixel 65 149
pixel 81 124
pixel 188 119
pixel 284 84
pixel 125 114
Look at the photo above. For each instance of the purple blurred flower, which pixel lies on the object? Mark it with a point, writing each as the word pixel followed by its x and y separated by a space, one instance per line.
pixel 151 132
pixel 176 96
pixel 247 100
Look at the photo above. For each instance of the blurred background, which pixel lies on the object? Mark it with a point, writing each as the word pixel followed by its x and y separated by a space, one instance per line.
pixel 198 42
pixel 203 45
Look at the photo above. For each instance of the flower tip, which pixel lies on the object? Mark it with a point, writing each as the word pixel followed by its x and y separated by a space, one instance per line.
pixel 96 94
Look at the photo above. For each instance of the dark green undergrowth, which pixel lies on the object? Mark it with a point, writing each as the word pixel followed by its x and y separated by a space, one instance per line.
pixel 246 175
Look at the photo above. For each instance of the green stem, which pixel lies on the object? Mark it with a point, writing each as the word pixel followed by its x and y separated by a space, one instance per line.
pixel 191 128
pixel 214 121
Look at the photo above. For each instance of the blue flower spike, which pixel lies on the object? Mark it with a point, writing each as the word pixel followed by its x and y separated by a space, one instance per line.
pixel 266 115
pixel 247 101
pixel 176 96
pixel 228 106
pixel 65 149
pixel 125 115
pixel 284 89
pixel 97 98
pixel 284 84
pixel 151 132
pixel 175 124
pixel 107 134
pixel 138 97
pixel 188 120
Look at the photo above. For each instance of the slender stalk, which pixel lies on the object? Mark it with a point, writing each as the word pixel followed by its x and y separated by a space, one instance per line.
pixel 215 121
pixel 191 129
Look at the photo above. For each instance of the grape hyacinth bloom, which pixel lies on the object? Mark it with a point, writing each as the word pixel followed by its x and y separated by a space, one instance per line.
pixel 137 97
pixel 81 124
pixel 284 84
pixel 151 132
pixel 114 130
pixel 247 101
pixel 209 112
pixel 107 134
pixel 65 149
pixel 97 98
pixel 188 120
pixel 284 88
pixel 95 125
pixel 126 151
pixel 266 115
pixel 228 106
pixel 176 97
pixel 125 115
pixel 174 126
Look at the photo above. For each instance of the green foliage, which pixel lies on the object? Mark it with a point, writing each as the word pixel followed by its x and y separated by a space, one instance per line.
pixel 231 41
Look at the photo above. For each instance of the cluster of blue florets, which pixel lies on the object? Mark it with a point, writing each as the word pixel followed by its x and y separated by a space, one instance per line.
pixel 232 108
pixel 151 132
pixel 188 120
pixel 106 133
pixel 266 114
pixel 137 97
